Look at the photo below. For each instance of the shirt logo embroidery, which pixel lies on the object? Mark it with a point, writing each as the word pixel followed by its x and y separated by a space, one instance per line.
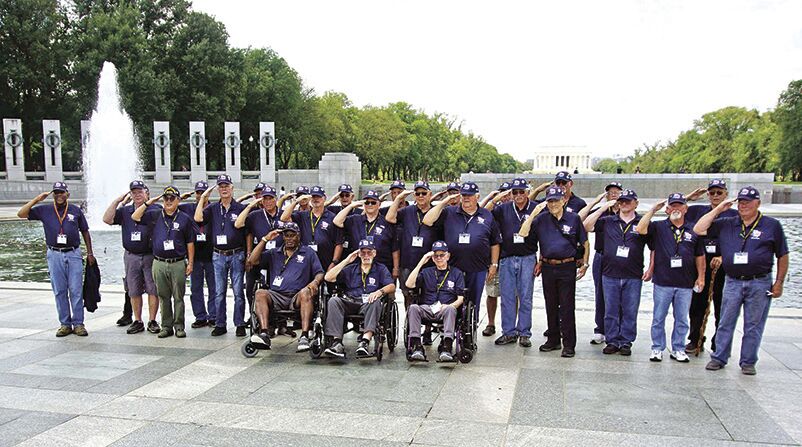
pixel 176 225
pixel 566 229
pixel 450 284
pixel 481 220
pixel 324 225
pixel 233 217
pixel 372 281
pixel 299 259
pixel 379 230
pixel 569 209
pixel 688 236
pixel 70 217
pixel 756 234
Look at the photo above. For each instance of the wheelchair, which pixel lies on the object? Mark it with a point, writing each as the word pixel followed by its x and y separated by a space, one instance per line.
pixel 464 329
pixel 291 318
pixel 386 330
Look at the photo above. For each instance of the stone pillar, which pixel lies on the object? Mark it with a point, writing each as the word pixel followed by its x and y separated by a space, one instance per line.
pixel 15 159
pixel 267 152
pixel 232 142
pixel 51 137
pixel 336 168
pixel 197 151
pixel 161 146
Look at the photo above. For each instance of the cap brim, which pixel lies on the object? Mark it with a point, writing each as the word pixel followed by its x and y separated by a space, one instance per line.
pixel 683 202
pixel 716 187
pixel 224 182
pixel 59 190
pixel 317 194
pixel 748 199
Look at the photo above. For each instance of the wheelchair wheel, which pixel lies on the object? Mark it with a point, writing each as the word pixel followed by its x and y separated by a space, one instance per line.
pixel 378 345
pixel 392 327
pixel 465 356
pixel 248 349
pixel 316 349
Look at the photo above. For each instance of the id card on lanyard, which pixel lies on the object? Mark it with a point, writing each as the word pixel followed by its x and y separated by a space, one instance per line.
pixel 465 236
pixel 742 257
pixel 61 238
pixel 676 260
pixel 623 251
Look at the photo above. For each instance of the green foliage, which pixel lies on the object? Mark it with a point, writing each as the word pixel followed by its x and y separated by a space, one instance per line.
pixel 789 121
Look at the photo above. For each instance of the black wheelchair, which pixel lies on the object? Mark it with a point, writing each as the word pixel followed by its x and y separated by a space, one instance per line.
pixel 386 330
pixel 464 329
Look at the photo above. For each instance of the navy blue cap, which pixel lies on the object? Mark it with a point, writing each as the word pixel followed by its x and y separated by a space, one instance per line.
pixel 201 185
pixel 453 186
pixel 563 175
pixel 302 190
pixel 223 179
pixel 748 194
pixel 440 246
pixel 60 186
pixel 676 197
pixel 519 183
pixel 365 243
pixel 136 184
pixel 504 186
pixel 317 191
pixel 613 185
pixel 628 194
pixel 371 194
pixel 290 226
pixel 398 184
pixel 259 186
pixel 555 193
pixel 268 191
pixel 421 184
pixel 345 188
pixel 171 191
pixel 469 188
pixel 717 183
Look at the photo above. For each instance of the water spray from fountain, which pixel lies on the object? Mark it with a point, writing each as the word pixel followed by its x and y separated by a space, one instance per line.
pixel 111 158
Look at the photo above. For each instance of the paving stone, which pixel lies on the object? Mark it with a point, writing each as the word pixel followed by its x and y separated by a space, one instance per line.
pixel 87 365
pixel 462 433
pixel 744 419
pixel 69 402
pixel 84 431
pixel 27 424
pixel 490 392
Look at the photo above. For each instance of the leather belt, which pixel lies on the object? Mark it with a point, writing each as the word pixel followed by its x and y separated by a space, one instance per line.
pixel 62 249
pixel 168 260
pixel 227 252
pixel 557 261
pixel 749 277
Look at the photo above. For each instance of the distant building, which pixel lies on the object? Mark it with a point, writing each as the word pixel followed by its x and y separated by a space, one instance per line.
pixel 550 159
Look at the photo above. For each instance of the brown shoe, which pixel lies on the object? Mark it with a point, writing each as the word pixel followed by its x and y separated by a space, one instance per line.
pixel 63 331
pixel 80 330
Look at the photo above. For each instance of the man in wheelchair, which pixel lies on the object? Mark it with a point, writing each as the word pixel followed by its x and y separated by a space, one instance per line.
pixel 294 274
pixel 441 295
pixel 365 284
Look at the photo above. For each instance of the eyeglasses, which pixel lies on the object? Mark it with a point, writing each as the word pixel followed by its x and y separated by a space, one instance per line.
pixel 716 192
pixel 371 202
pixel 560 182
pixel 421 193
pixel 169 198
pixel 345 194
pixel 517 192
pixel 366 251
pixel 439 255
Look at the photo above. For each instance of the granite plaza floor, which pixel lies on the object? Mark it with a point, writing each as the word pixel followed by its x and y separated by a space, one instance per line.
pixel 116 389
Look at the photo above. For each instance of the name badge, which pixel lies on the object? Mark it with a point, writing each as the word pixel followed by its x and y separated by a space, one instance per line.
pixel 464 238
pixel 622 252
pixel 312 246
pixel 417 241
pixel 61 239
pixel 169 245
pixel 517 239
pixel 676 262
pixel 136 236
pixel 345 244
pixel 710 249
pixel 200 237
pixel 436 307
pixel 365 298
pixel 277 281
pixel 741 257
pixel 270 244
pixel 222 239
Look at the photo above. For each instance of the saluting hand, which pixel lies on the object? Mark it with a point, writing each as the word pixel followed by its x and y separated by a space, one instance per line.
pixel 404 194
pixel 659 205
pixel 358 203
pixel 543 186
pixel 42 196
pixel 452 197
pixel 208 191
pixel 428 256
pixel 270 236
pixel 155 199
pixel 352 257
pixel 696 194
pixel 727 204
pixel 303 197
pixel 609 204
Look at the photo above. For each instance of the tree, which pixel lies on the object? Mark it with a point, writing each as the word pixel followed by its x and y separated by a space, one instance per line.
pixel 789 122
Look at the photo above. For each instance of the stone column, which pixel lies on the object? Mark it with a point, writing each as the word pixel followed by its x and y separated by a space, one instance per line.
pixel 232 145
pixel 267 152
pixel 161 146
pixel 197 151
pixel 336 168
pixel 15 159
pixel 51 137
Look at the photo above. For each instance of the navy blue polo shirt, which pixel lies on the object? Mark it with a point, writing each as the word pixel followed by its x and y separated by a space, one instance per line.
pixel 695 212
pixel 351 278
pixel 221 221
pixel 320 231
pixel 134 230
pixel 440 285
pixel 762 244
pixel 178 228
pixel 259 223
pixel 559 238
pixel 296 272
pixel 509 218
pixel 409 227
pixel 672 242
pixel 598 242
pixel 484 233
pixel 203 249
pixel 380 231
pixel 613 229
pixel 73 222
pixel 574 204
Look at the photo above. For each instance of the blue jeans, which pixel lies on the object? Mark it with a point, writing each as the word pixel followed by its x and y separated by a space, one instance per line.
pixel 621 302
pixel 517 282
pixel 752 296
pixel 66 278
pixel 201 270
pixel 223 266
pixel 680 300
pixel 597 283
pixel 475 283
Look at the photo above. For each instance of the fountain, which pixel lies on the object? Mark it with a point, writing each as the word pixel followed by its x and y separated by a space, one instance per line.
pixel 111 158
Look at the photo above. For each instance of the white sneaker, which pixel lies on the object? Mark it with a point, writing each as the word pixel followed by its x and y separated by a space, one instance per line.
pixel 597 339
pixel 657 356
pixel 680 356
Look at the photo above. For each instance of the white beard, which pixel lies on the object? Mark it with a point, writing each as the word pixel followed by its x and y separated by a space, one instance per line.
pixel 675 216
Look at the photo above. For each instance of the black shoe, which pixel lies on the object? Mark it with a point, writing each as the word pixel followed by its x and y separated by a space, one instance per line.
pixel 489 330
pixel 135 328
pixel 525 342
pixel 690 348
pixel 240 331
pixel 218 331
pixel 199 324
pixel 125 320
pixel 546 333
pixel 567 352
pixel 427 338
pixel 625 350
pixel 547 347
pixel 153 327
pixel 610 349
pixel 506 339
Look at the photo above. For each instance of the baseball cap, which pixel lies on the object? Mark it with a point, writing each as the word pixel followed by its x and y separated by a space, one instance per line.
pixel 440 246
pixel 371 194
pixel 171 191
pixel 201 185
pixel 317 191
pixel 345 188
pixel 422 184
pixel 60 186
pixel 290 226
pixel 398 184
pixel 628 194
pixel 136 184
pixel 268 191
pixel 676 197
pixel 555 193
pixel 453 186
pixel 748 194
pixel 301 190
pixel 365 243
pixel 613 185
pixel 504 186
pixel 519 183
pixel 468 189
pixel 717 183
pixel 259 186
pixel 563 175
pixel 224 179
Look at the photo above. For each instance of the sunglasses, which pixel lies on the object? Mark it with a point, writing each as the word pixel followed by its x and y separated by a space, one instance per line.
pixel 345 194
pixel 421 193
pixel 169 198
pixel 371 202
pixel 439 255
pixel 517 192
pixel 716 193
pixel 560 182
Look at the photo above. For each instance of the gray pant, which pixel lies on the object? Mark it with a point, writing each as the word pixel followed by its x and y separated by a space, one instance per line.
pixel 447 315
pixel 338 308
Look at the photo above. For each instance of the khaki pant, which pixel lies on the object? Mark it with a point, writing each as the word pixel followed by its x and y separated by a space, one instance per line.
pixel 171 280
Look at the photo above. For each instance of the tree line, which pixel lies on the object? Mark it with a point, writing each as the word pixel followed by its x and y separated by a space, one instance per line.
pixel 175 64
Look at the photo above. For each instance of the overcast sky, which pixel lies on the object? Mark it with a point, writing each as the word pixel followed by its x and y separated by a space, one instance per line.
pixel 602 74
